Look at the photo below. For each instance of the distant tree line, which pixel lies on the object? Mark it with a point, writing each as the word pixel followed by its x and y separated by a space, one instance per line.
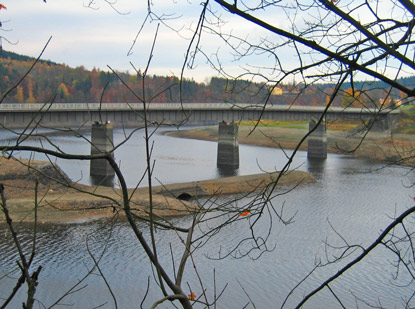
pixel 53 82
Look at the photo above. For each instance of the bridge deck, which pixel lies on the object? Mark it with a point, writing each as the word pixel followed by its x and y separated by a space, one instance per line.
pixel 15 107
pixel 76 114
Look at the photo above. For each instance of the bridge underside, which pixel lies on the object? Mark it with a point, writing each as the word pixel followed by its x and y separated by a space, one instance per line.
pixel 133 118
pixel 228 151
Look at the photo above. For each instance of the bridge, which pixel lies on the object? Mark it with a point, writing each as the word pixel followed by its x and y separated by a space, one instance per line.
pixel 103 117
pixel 73 115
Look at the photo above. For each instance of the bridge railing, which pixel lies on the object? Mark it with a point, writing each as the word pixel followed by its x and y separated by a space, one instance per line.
pixel 33 107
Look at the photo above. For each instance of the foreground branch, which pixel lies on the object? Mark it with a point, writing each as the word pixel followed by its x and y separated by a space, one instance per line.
pixel 365 252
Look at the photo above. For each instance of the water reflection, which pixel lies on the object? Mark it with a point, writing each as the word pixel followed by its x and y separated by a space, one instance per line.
pixel 335 200
pixel 175 160
pixel 106 181
pixel 343 186
pixel 316 165
pixel 227 171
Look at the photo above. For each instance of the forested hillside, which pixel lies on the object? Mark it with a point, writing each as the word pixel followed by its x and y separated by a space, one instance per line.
pixel 52 82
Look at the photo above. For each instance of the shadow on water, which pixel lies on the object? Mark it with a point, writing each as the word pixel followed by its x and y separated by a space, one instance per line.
pixel 316 166
pixel 227 171
pixel 106 181
pixel 343 187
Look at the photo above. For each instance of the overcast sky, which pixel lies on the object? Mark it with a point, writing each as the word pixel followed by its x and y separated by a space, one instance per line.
pixel 101 36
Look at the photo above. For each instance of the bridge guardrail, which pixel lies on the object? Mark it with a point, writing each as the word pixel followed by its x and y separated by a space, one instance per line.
pixel 34 107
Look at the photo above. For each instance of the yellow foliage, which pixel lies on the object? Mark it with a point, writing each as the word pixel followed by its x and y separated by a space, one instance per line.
pixel 31 98
pixel 19 95
pixel 277 91
pixel 352 98
pixel 63 90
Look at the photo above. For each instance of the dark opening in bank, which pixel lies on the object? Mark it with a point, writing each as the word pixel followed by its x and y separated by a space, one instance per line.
pixel 184 196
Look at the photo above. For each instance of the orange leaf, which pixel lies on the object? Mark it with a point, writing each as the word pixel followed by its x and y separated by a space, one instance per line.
pixel 192 296
pixel 244 214
pixel 2 7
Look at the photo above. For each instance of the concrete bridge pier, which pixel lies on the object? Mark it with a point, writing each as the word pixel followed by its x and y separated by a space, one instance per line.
pixel 228 146
pixel 317 141
pixel 382 124
pixel 101 141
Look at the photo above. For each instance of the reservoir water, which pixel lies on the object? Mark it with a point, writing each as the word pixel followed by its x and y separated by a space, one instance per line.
pixel 352 201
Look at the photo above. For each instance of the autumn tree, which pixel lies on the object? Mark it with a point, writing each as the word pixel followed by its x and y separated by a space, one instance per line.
pixel 30 97
pixel 352 98
pixel 19 95
pixel 63 91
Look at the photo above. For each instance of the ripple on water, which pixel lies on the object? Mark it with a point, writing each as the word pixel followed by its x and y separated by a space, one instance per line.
pixel 346 200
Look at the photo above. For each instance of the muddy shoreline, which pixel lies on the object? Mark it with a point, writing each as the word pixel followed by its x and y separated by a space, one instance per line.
pixel 61 201
pixel 384 147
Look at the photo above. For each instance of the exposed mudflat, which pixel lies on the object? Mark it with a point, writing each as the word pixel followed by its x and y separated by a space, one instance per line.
pixel 60 200
pixel 395 149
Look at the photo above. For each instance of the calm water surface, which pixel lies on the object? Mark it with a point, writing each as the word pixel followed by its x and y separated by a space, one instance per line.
pixel 356 197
